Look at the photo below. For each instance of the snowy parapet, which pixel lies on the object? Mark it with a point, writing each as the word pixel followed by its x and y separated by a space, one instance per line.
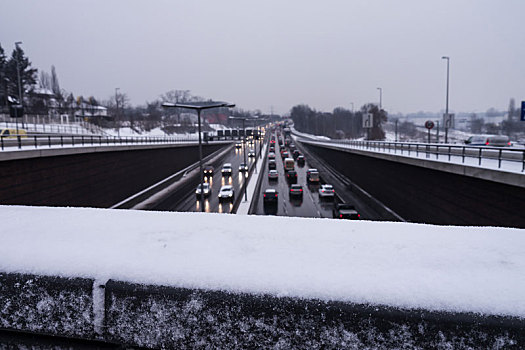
pixel 47 305
pixel 164 317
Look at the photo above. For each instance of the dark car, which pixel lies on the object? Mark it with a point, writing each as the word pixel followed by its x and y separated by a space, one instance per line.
pixel 296 153
pixel 272 165
pixel 345 211
pixel 300 160
pixel 208 170
pixel 296 191
pixel 291 176
pixel 270 196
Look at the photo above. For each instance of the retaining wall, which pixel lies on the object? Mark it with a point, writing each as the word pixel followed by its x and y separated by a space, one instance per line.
pixel 429 195
pixel 91 176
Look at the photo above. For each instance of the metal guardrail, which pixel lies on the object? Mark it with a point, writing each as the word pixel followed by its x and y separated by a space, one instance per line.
pixel 48 141
pixel 433 149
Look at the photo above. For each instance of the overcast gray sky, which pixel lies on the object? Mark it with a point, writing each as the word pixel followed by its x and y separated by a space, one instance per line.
pixel 280 53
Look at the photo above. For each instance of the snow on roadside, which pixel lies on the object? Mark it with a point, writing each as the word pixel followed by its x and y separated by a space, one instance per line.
pixel 477 269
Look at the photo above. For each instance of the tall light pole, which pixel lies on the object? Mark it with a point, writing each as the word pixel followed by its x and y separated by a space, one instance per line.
pixel 116 112
pixel 199 109
pixel 446 108
pixel 243 149
pixel 19 83
pixel 380 97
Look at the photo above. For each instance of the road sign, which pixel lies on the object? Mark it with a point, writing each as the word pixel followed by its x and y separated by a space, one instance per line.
pixel 448 120
pixel 368 120
pixel 429 124
pixel 523 111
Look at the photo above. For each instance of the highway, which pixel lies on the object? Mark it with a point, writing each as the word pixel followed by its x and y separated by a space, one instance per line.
pixel 212 204
pixel 309 206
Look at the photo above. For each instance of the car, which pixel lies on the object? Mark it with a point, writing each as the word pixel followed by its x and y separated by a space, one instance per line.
pixel 251 153
pixel 226 193
pixel 291 176
pixel 345 211
pixel 238 145
pixel 272 165
pixel 227 169
pixel 296 191
pixel 271 149
pixel 271 155
pixel 296 153
pixel 270 196
pixel 285 154
pixel 312 175
pixel 326 191
pixel 273 175
pixel 300 160
pixel 205 190
pixel 243 167
pixel 208 170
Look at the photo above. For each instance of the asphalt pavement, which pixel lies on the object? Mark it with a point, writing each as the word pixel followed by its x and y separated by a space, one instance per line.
pixel 212 204
pixel 309 206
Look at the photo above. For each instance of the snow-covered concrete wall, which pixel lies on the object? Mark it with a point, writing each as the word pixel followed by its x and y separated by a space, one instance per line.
pixel 47 305
pixel 166 317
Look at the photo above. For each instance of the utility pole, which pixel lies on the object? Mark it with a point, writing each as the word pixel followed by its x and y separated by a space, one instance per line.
pixel 446 108
pixel 21 102
pixel 116 112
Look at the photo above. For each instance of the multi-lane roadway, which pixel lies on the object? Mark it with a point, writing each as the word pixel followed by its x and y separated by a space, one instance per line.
pixel 211 203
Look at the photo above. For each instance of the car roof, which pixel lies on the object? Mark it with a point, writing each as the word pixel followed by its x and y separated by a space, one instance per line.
pixel 326 185
pixel 227 165
pixel 297 186
pixel 270 190
pixel 273 171
pixel 226 187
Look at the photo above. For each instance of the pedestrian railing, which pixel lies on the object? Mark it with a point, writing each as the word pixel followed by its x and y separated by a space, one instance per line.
pixel 447 152
pixel 47 141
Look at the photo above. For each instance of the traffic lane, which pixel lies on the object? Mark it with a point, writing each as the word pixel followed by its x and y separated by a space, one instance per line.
pixel 347 196
pixel 212 202
pixel 309 206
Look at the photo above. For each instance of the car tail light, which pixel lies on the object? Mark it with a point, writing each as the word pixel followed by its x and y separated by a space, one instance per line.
pixel 275 195
pixel 358 215
pixel 340 216
pixel 301 190
pixel 264 195
pixel 508 143
pixel 486 143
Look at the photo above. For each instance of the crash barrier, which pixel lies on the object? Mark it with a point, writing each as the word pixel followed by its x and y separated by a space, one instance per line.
pixel 171 317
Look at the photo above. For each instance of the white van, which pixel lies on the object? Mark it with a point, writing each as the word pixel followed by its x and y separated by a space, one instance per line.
pixel 289 164
pixel 488 140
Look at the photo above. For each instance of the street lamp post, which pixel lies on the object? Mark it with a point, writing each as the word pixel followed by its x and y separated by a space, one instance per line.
pixel 446 108
pixel 19 85
pixel 117 112
pixel 380 97
pixel 199 109
pixel 243 149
